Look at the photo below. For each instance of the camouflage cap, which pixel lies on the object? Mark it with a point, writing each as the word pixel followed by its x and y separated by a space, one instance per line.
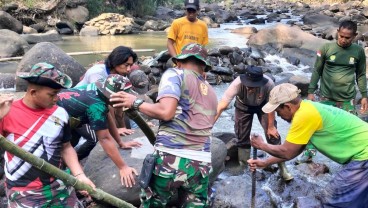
pixel 112 84
pixel 195 50
pixel 47 75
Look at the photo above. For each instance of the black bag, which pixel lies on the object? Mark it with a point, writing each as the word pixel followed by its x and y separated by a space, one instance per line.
pixel 147 170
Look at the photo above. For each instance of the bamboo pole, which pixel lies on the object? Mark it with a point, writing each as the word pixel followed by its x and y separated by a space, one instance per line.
pixel 134 115
pixel 66 178
pixel 78 53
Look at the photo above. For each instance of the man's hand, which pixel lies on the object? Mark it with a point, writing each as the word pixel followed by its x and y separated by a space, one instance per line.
pixel 127 177
pixel 364 105
pixel 272 132
pixel 254 164
pixel 311 97
pixel 256 141
pixel 5 104
pixel 83 178
pixel 125 131
pixel 129 145
pixel 122 99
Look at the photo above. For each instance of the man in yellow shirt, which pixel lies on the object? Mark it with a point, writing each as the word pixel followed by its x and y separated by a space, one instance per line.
pixel 187 29
pixel 337 134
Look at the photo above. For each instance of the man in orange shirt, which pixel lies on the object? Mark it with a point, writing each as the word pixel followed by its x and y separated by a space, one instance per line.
pixel 187 29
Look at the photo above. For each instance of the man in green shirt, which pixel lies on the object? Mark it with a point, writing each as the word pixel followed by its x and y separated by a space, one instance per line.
pixel 326 128
pixel 338 65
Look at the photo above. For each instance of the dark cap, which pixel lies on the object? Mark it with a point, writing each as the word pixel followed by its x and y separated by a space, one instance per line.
pixel 195 50
pixel 47 75
pixel 112 84
pixel 191 4
pixel 253 77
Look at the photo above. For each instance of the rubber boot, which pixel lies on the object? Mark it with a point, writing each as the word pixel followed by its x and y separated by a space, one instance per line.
pixel 284 172
pixel 243 156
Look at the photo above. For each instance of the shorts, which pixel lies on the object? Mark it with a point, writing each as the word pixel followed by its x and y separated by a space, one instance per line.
pixel 55 195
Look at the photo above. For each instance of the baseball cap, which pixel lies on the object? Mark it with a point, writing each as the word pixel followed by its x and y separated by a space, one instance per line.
pixel 191 4
pixel 46 74
pixel 280 94
pixel 195 50
pixel 112 84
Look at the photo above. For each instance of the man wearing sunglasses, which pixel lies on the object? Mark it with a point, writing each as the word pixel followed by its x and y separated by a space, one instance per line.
pixel 187 29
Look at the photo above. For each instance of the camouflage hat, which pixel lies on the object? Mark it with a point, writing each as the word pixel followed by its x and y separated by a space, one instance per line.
pixel 47 75
pixel 195 50
pixel 113 83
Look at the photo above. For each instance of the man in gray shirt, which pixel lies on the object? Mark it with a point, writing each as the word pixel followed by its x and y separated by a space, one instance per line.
pixel 252 91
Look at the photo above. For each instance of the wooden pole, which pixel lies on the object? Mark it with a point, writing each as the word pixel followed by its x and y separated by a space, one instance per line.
pixel 78 53
pixel 134 115
pixel 66 178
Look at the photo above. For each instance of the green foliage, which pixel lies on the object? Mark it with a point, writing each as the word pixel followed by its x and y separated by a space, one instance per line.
pixel 97 7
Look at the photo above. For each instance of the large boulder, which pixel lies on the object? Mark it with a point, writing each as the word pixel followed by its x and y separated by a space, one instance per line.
pixel 112 24
pixel 78 15
pixel 286 36
pixel 10 23
pixel 50 53
pixel 103 172
pixel 12 44
pixel 49 36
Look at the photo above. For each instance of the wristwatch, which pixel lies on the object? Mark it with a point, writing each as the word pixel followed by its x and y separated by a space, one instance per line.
pixel 137 102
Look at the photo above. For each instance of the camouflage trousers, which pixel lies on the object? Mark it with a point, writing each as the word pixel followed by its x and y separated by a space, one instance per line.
pixel 55 195
pixel 347 106
pixel 173 174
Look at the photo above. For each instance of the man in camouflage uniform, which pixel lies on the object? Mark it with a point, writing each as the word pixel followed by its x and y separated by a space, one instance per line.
pixel 186 107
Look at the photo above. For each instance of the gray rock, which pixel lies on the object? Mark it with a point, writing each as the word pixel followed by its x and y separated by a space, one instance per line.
pixel 103 172
pixel 7 80
pixel 214 52
pixel 49 36
pixel 334 8
pixel 50 53
pixel 65 27
pixel 222 70
pixel 12 44
pixel 225 50
pixel 258 21
pixel 235 58
pixel 358 18
pixel 212 78
pixel 10 23
pixel 319 20
pixel 78 15
pixel 240 68
pixel 245 30
pixel 39 27
pixel 301 82
pixel 89 31
pixel 10 7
